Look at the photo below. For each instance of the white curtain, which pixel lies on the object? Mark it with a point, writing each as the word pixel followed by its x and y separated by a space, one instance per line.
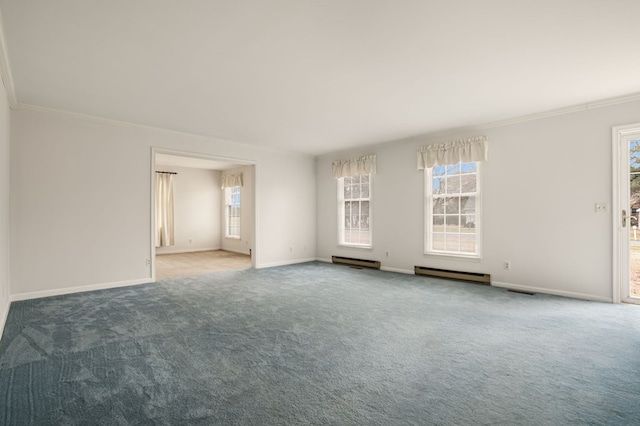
pixel 164 210
pixel 354 166
pixel 453 152
pixel 229 181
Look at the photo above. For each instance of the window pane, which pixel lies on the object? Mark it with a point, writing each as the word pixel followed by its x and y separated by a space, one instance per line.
pixel 439 171
pixel 355 180
pixel 468 183
pixel 438 223
pixel 355 191
pixel 469 167
pixel 453 223
pixel 468 205
pixel 453 170
pixel 438 241
pixel 453 184
pixel 438 206
pixel 364 208
pixel 452 242
pixel 364 190
pixel 468 224
pixel 452 205
pixel 438 185
pixel 355 222
pixel 364 179
pixel 468 243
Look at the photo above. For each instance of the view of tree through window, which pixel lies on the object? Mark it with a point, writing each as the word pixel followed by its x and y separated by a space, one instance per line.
pixel 354 205
pixel 232 212
pixel 452 201
pixel 634 203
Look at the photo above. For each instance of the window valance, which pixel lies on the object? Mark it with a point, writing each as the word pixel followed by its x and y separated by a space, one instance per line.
pixel 354 166
pixel 453 152
pixel 229 181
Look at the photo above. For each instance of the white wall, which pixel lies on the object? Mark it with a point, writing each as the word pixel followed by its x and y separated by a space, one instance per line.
pixel 197 198
pixel 80 197
pixel 4 206
pixel 539 187
pixel 243 244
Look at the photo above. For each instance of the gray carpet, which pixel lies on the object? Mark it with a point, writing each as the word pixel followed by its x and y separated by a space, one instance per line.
pixel 318 344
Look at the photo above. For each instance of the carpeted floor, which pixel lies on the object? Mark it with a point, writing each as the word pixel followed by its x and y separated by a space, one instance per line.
pixel 318 344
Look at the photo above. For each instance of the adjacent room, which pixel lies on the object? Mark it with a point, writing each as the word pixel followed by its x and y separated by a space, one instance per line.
pixel 319 212
pixel 203 215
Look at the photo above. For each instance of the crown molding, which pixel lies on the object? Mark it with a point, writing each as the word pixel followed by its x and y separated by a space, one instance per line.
pixel 601 103
pixel 452 132
pixel 128 124
pixel 5 69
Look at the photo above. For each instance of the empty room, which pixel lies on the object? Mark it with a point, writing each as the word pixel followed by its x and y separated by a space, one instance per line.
pixel 437 206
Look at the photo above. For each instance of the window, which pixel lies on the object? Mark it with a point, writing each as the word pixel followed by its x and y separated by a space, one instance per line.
pixel 232 212
pixel 453 210
pixel 354 210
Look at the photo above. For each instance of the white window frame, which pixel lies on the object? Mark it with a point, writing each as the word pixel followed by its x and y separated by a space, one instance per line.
pixel 428 217
pixel 228 194
pixel 341 211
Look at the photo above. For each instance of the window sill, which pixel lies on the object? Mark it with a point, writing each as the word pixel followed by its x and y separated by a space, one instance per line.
pixel 451 256
pixel 232 238
pixel 353 246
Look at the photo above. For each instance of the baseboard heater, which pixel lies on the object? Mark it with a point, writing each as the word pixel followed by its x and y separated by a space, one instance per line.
pixel 474 277
pixel 374 264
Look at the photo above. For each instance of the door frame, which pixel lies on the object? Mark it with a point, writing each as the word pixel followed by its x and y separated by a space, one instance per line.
pixel 238 161
pixel 620 262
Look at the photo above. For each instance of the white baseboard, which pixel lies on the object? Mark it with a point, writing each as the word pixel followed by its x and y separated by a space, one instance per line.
pixel 321 259
pixel 562 293
pixel 236 251
pixel 3 318
pixel 187 251
pixel 80 289
pixel 284 263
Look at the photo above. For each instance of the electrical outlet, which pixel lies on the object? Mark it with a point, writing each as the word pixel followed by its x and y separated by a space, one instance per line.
pixel 506 265
pixel 148 262
pixel 386 254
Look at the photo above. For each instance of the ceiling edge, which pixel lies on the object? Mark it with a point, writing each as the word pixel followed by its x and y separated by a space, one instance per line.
pixel 5 69
pixel 451 132
pixel 119 123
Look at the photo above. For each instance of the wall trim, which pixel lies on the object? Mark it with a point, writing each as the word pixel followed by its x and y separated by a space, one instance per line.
pixel 128 124
pixel 600 103
pixel 284 263
pixel 448 132
pixel 187 250
pixel 3 319
pixel 246 252
pixel 80 289
pixel 570 294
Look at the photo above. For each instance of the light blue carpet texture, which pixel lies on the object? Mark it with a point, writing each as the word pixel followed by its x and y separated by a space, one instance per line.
pixel 318 344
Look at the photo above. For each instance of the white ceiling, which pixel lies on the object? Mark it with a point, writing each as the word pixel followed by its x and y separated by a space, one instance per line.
pixel 315 76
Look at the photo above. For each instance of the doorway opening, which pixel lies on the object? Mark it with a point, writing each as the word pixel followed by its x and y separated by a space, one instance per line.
pixel 190 217
pixel 626 223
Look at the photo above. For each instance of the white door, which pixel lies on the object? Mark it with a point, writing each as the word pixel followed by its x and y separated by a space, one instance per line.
pixel 626 214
